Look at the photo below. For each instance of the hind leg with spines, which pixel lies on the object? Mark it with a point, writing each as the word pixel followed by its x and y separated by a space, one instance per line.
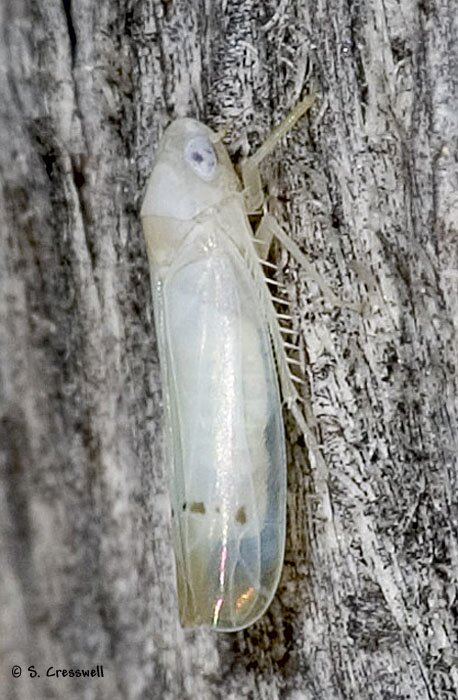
pixel 269 227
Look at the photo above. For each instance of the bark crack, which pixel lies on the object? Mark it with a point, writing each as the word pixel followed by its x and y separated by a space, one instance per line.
pixel 67 4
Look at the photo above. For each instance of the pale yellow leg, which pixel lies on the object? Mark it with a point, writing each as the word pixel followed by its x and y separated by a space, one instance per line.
pixel 251 178
pixel 269 228
pixel 263 237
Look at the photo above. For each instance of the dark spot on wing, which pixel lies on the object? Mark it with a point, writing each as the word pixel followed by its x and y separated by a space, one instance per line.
pixel 198 507
pixel 240 516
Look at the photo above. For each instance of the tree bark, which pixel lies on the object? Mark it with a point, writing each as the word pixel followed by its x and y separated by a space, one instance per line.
pixel 368 188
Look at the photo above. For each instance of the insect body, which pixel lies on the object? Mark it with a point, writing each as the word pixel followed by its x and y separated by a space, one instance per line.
pixel 223 370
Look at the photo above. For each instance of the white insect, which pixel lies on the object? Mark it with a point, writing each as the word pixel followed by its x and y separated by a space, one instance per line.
pixel 224 370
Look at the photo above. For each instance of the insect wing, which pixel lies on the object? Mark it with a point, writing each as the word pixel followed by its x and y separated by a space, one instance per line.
pixel 228 481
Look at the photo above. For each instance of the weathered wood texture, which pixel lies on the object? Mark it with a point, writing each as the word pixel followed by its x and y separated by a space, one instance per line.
pixel 368 185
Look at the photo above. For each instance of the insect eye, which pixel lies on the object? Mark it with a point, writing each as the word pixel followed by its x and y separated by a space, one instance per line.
pixel 201 156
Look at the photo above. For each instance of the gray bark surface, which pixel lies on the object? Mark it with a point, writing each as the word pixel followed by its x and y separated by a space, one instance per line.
pixel 368 186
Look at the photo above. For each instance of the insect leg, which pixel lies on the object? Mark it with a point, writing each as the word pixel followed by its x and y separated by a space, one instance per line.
pixel 270 223
pixel 251 178
pixel 263 238
pixel 277 134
